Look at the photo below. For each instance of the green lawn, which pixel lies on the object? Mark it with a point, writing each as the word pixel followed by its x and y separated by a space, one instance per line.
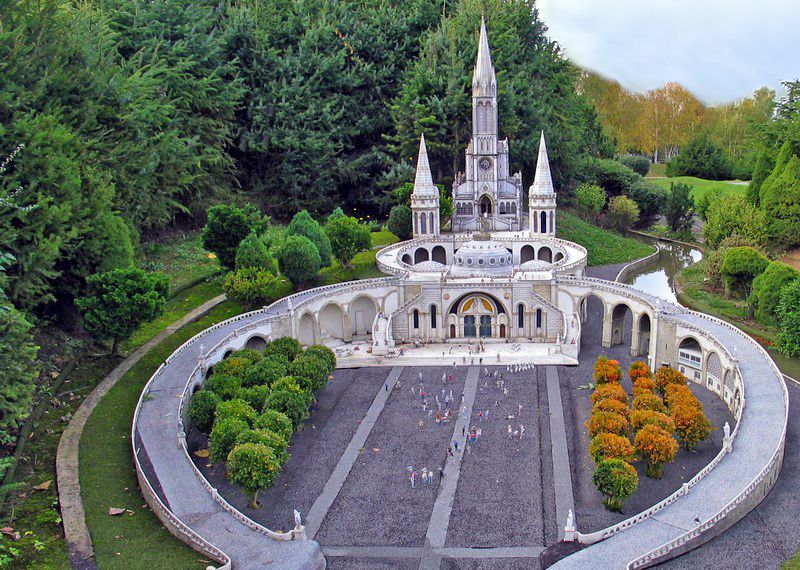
pixel 657 170
pixel 108 478
pixel 701 187
pixel 180 257
pixel 383 238
pixel 604 246
pixel 692 294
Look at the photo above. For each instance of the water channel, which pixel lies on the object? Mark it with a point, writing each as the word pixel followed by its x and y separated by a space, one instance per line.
pixel 658 276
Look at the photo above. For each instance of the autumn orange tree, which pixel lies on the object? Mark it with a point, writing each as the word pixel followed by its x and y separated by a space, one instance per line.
pixel 657 447
pixel 607 422
pixel 613 391
pixel 611 446
pixel 641 418
pixel 648 401
pixel 615 406
pixel 607 370
pixel 639 370
pixel 691 425
pixel 666 375
pixel 680 394
pixel 643 385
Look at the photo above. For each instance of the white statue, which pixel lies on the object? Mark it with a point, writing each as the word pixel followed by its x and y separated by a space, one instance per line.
pixel 298 522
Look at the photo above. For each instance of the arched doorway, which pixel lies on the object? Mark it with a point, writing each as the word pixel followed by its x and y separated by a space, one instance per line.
pixel 362 314
pixel 527 253
pixel 485 204
pixel 452 331
pixel 477 316
pixel 256 343
pixel 644 335
pixel 331 322
pixel 690 359
pixel 439 254
pixel 407 259
pixel 421 255
pixel 621 324
pixel 305 330
pixel 502 331
pixel 559 256
pixel 545 254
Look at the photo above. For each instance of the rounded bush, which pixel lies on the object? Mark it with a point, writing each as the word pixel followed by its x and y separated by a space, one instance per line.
pixel 266 372
pixel 202 408
pixel 666 375
pixel 255 396
pixel 616 480
pixel 293 404
pixel 639 369
pixel 609 405
pixel 643 385
pixel 303 225
pixel 311 371
pixel 236 408
pixel 223 437
pixel 641 418
pixel 252 253
pixel 274 421
pixel 610 446
pixel 648 401
pixel 233 366
pixel 680 395
pixel 253 466
pixel 691 425
pixel 223 385
pixel 614 390
pixel 607 422
pixel 325 353
pixel 285 345
pixel 765 294
pixel 740 266
pixel 269 438
pixel 251 286
pixel 299 260
pixel 607 370
pixel 639 164
pixel 657 447
pixel 400 221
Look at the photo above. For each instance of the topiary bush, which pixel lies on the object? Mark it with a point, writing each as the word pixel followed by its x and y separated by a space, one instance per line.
pixel 617 481
pixel 637 370
pixel 233 366
pixel 680 395
pixel 325 353
pixel 225 229
pixel 739 267
pixel 789 319
pixel 400 221
pixel 651 200
pixel 348 237
pixel 202 409
pixel 610 446
pixel 607 422
pixel 643 385
pixel 269 438
pixel 303 225
pixel 639 164
pixel 641 418
pixel 622 213
pixel 779 196
pixel 253 253
pixel 293 404
pixel 286 346
pixel 253 466
pixel 590 199
pixel 648 401
pixel 607 370
pixel 223 437
pixel 299 260
pixel 609 405
pixel 311 371
pixel 289 383
pixel 255 396
pixel 765 293
pixel 250 354
pixel 657 447
pixel 612 390
pixel 235 408
pixel 691 425
pixel 251 286
pixel 266 372
pixel 276 422
pixel 223 385
pixel 666 375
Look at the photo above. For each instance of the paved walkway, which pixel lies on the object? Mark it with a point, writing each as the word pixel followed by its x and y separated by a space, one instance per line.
pixel 423 551
pixel 443 507
pixel 76 533
pixel 562 476
pixel 323 503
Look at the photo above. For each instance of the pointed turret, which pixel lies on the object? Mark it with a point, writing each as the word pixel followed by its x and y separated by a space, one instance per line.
pixel 423 181
pixel 542 195
pixel 425 197
pixel 542 181
pixel 484 83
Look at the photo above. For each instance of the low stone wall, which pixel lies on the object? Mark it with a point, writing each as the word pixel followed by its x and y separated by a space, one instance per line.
pixel 633 265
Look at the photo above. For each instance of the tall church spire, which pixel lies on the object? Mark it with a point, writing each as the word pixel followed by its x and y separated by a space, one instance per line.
pixel 484 83
pixel 423 181
pixel 542 181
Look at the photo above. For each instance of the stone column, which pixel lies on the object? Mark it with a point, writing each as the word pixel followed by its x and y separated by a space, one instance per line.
pixel 347 326
pixel 607 324
pixel 635 337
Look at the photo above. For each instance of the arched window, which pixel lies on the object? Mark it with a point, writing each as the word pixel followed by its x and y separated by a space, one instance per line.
pixel 538 318
pixel 471 211
pixel 552 222
pixel 430 221
pixel 542 222
pixel 535 222
pixel 502 207
pixel 416 223
pixel 514 208
pixel 433 316
pixel 416 319
pixel 520 315
pixel 423 224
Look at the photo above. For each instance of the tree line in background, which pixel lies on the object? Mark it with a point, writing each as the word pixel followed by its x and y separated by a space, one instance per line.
pixel 662 121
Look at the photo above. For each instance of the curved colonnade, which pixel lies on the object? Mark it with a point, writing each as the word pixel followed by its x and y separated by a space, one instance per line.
pixel 721 494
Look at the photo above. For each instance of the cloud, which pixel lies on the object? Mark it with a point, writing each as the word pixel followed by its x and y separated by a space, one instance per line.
pixel 721 50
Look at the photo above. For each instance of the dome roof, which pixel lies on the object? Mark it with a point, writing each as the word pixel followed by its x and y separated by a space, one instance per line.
pixel 487 257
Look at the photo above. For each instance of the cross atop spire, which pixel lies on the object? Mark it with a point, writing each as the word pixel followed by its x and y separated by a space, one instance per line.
pixel 542 181
pixel 484 83
pixel 423 181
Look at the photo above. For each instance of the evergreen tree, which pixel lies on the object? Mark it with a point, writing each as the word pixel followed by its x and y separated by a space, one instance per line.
pixel 679 209
pixel 303 224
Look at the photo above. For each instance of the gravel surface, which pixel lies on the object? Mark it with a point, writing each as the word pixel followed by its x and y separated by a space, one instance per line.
pixel 590 513
pixel 377 506
pixel 490 564
pixel 344 563
pixel 315 449
pixel 500 499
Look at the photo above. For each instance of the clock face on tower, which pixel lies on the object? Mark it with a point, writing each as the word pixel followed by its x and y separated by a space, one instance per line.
pixel 485 163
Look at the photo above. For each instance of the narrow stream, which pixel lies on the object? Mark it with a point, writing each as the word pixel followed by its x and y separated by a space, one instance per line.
pixel 658 276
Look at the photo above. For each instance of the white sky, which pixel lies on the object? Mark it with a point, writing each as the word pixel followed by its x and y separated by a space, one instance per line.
pixel 720 50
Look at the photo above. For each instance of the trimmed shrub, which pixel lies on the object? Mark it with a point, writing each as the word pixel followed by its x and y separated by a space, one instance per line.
pixel 252 253
pixel 607 422
pixel 691 425
pixel 348 237
pixel 729 216
pixel 701 158
pixel 639 164
pixel 400 221
pixel 641 418
pixel 266 372
pixel 610 446
pixel 236 408
pixel 606 370
pixel 648 401
pixel 739 267
pixel 223 437
pixel 293 404
pixel 325 353
pixel 253 467
pixel 233 366
pixel 591 199
pixel 285 345
pixel 311 371
pixel 622 213
pixel 223 385
pixel 303 225
pixel 609 405
pixel 225 229
pixel 765 294
pixel 255 396
pixel 651 200
pixel 289 383
pixel 780 196
pixel 639 369
pixel 643 385
pixel 657 447
pixel 275 421
pixel 299 259
pixel 612 390
pixel 789 319
pixel 202 408
pixel 680 395
pixel 269 438
pixel 666 375
pixel 616 480
pixel 251 286
pixel 250 354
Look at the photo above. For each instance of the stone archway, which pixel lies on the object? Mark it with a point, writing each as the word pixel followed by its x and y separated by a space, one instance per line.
pixel 621 315
pixel 642 344
pixel 407 259
pixel 421 255
pixel 477 316
pixel 439 254
pixel 331 322
pixel 527 253
pixel 690 359
pixel 256 342
pixel 559 256
pixel 362 311
pixel 713 371
pixel 485 205
pixel 306 328
pixel 545 254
